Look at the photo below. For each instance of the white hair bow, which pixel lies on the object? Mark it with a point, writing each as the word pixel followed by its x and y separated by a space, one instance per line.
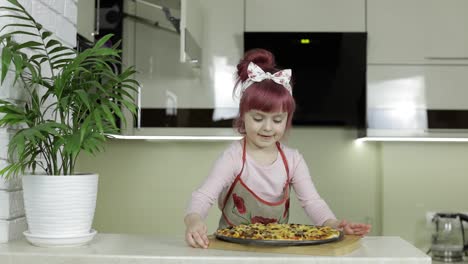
pixel 256 74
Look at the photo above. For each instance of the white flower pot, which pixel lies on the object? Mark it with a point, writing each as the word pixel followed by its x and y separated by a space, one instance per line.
pixel 59 207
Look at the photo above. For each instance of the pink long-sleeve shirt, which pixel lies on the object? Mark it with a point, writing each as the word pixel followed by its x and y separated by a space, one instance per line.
pixel 266 181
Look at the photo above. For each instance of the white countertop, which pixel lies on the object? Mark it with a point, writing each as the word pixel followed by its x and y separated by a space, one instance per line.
pixel 143 249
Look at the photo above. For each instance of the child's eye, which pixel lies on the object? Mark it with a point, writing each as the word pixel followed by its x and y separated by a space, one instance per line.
pixel 278 121
pixel 257 119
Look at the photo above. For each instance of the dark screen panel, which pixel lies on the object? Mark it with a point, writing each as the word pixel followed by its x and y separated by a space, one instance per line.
pixel 447 119
pixel 329 73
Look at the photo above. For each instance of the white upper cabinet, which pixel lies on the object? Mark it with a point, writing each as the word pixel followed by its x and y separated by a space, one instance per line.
pixel 417 31
pixel 305 15
pixel 398 96
pixel 447 29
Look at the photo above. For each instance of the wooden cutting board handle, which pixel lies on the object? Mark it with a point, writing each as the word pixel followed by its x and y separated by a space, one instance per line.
pixel 347 245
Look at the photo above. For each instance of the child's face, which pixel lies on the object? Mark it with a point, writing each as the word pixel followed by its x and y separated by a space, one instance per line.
pixel 264 129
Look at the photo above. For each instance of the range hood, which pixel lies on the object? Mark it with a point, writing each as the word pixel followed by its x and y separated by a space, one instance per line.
pixel 416 103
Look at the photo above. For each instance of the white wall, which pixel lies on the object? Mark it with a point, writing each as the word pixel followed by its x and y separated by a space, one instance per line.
pixel 419 178
pixel 57 16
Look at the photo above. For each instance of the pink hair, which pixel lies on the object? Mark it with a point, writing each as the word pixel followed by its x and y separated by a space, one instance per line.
pixel 266 96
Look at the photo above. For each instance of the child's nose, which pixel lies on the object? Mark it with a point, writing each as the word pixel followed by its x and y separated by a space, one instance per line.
pixel 267 125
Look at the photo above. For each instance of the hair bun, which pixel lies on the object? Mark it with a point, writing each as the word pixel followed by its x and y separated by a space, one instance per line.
pixel 263 58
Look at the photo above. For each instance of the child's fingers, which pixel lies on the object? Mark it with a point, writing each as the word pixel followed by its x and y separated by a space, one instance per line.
pixel 342 224
pixel 360 226
pixel 190 241
pixel 361 230
pixel 196 236
pixel 205 238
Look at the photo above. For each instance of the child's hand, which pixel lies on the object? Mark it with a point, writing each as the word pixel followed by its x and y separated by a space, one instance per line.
pixel 195 234
pixel 354 228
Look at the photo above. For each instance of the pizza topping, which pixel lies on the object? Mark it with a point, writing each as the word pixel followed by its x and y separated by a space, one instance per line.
pixel 275 231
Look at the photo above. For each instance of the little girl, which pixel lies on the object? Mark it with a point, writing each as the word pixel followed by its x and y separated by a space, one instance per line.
pixel 252 178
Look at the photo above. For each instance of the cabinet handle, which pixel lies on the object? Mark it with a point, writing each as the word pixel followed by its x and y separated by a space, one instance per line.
pixel 139 107
pixel 446 58
pixel 97 23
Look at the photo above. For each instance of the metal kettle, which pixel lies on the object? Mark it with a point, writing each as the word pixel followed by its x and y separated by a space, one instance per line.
pixel 449 243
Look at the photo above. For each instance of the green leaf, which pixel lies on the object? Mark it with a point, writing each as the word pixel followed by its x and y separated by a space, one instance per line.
pixel 117 111
pixel 103 40
pixel 11 9
pixel 37 56
pixel 59 66
pixel 28 44
pixel 66 54
pixel 46 34
pixel 61 62
pixel 18 32
pixel 84 97
pixel 15 2
pixel 127 73
pixel 52 43
pixel 73 144
pixel 19 65
pixel 136 83
pixel 55 50
pixel 6 60
pixel 32 70
pixel 98 120
pixel 20 144
pixel 12 119
pixel 17 17
pixel 84 128
pixel 18 25
pixel 42 61
pixel 7 172
pixel 130 105
pixel 110 117
pixel 37 64
pixel 105 52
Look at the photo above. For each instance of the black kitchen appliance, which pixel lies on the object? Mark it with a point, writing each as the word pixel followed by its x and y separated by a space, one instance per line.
pixel 329 73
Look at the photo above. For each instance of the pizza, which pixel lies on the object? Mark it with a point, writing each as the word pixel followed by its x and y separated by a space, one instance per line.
pixel 280 232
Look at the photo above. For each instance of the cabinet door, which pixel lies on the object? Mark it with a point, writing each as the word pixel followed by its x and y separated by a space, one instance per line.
pixel 398 96
pixel 86 21
pixel 417 31
pixel 191 31
pixel 170 89
pixel 305 15
pixel 447 32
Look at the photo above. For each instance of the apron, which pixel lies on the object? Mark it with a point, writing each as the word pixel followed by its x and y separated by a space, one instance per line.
pixel 242 206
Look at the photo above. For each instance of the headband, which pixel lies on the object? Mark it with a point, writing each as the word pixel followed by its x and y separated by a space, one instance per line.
pixel 256 74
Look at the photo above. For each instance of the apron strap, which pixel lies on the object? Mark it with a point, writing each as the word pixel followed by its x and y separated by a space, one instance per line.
pixel 286 166
pixel 237 178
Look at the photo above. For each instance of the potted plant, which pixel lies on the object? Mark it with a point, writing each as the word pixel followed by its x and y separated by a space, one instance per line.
pixel 65 112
